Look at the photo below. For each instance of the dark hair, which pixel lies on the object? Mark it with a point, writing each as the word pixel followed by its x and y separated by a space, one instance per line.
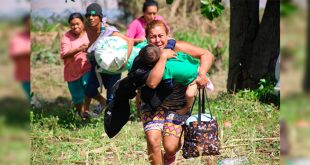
pixel 149 54
pixel 148 3
pixel 75 15
pixel 25 18
pixel 154 23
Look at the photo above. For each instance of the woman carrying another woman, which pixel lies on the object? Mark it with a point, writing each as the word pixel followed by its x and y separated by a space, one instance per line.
pixel 74 44
pixel 165 125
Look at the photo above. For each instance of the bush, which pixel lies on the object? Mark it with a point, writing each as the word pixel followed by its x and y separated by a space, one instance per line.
pixel 206 41
pixel 265 93
pixel 46 54
pixel 44 25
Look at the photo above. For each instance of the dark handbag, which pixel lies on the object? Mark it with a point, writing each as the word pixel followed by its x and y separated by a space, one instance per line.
pixel 201 135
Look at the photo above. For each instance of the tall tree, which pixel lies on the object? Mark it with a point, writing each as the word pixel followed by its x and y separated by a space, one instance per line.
pixel 254 46
pixel 307 72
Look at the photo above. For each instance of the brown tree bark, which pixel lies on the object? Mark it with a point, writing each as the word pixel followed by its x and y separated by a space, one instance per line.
pixel 266 48
pixel 306 85
pixel 254 47
pixel 244 23
pixel 174 8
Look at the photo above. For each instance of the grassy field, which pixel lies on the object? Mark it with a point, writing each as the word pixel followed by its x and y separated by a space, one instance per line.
pixel 59 137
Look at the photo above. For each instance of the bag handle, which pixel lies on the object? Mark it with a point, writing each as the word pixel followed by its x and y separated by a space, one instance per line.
pixel 201 99
pixel 193 105
pixel 205 97
pixel 202 105
pixel 199 106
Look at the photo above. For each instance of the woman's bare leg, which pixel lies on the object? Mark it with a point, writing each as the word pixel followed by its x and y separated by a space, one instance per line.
pixel 87 101
pixel 99 98
pixel 171 145
pixel 79 108
pixel 154 138
pixel 190 97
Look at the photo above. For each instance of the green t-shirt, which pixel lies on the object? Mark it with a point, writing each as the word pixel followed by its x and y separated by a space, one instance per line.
pixel 135 52
pixel 183 69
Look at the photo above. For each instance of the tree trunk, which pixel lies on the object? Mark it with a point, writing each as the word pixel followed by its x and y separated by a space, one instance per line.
pixel 266 48
pixel 254 47
pixel 244 23
pixel 307 72
pixel 174 8
pixel 184 8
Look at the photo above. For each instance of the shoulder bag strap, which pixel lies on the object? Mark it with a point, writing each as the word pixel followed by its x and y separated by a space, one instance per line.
pixel 199 106
pixel 193 105
pixel 202 105
pixel 205 95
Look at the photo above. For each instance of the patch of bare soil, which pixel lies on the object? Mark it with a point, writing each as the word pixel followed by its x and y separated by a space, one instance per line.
pixel 292 80
pixel 219 80
pixel 47 82
pixel 45 38
pixel 9 87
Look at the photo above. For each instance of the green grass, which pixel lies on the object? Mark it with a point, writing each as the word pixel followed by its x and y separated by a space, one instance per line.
pixel 295 108
pixel 14 131
pixel 59 137
pixel 44 25
pixel 47 53
pixel 15 144
pixel 295 114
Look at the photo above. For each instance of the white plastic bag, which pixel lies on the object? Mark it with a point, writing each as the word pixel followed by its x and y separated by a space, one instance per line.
pixel 111 53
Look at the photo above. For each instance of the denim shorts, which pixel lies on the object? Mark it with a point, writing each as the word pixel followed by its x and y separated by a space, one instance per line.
pixel 77 88
pixel 108 81
pixel 26 87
